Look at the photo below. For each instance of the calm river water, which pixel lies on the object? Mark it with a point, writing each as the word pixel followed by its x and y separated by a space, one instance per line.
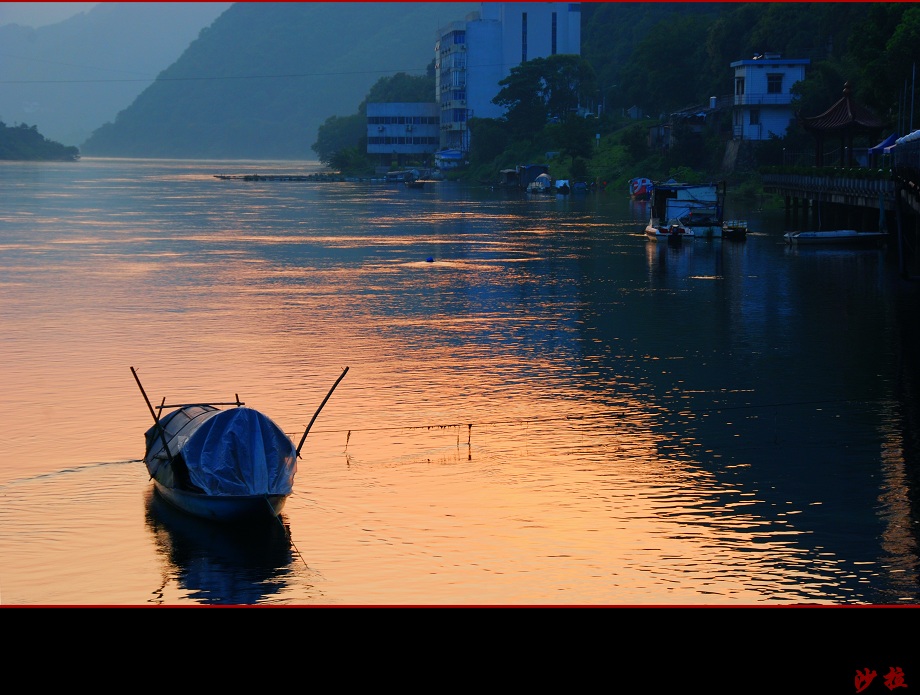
pixel 551 410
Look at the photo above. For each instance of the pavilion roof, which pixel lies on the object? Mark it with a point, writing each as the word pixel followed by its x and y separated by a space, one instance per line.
pixel 844 115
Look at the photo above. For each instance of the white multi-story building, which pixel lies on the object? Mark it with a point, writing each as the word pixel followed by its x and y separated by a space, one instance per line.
pixel 397 131
pixel 473 55
pixel 763 99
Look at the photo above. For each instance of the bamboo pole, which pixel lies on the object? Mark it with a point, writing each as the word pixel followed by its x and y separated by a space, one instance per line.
pixel 307 431
pixel 156 420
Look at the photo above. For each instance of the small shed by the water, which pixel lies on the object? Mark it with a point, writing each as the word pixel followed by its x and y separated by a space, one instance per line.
pixel 508 177
pixel 845 120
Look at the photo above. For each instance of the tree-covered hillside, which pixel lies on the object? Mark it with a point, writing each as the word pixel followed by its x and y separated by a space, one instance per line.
pixel 670 55
pixel 23 143
pixel 263 79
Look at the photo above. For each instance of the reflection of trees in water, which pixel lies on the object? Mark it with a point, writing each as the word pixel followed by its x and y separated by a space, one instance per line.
pixel 219 563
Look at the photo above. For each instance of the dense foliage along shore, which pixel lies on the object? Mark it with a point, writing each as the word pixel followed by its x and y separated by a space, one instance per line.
pixel 23 143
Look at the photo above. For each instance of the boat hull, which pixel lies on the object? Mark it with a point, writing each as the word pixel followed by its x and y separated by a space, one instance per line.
pixel 664 234
pixel 834 237
pixel 735 230
pixel 224 508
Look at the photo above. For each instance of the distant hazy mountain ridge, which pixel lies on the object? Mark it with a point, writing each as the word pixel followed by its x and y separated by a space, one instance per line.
pixel 69 78
pixel 263 77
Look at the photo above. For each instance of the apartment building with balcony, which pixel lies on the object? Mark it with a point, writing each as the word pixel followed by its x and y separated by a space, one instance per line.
pixel 473 55
pixel 762 105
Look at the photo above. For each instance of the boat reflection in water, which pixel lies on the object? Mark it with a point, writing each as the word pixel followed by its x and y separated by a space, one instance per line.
pixel 219 563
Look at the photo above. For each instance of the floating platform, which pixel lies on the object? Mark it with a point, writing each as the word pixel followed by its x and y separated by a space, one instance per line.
pixel 279 177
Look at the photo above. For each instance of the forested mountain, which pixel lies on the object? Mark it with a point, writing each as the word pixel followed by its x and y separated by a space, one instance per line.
pixel 263 77
pixel 665 56
pixel 71 77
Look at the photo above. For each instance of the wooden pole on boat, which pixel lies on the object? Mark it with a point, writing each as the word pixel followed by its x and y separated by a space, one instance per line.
pixel 307 431
pixel 156 420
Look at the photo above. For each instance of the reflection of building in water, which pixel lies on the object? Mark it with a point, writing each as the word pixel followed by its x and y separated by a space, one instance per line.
pixel 219 563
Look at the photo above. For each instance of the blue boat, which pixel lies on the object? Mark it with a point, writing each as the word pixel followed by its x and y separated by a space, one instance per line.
pixel 227 465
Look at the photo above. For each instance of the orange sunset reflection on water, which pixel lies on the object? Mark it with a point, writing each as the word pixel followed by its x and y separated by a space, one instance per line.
pixel 504 434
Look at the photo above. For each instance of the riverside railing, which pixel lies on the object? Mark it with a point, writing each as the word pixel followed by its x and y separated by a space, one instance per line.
pixel 846 187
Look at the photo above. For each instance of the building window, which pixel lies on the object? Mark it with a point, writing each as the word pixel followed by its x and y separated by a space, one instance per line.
pixel 554 34
pixel 755 116
pixel 739 86
pixel 523 37
pixel 775 83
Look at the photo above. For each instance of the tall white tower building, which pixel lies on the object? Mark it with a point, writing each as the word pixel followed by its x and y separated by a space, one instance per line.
pixel 473 55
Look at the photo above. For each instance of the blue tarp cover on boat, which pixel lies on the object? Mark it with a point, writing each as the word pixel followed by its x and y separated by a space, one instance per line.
pixel 238 451
pixel 887 142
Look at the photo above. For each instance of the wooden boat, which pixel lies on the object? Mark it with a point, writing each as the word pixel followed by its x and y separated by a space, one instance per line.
pixel 698 208
pixel 232 465
pixel 672 234
pixel 834 236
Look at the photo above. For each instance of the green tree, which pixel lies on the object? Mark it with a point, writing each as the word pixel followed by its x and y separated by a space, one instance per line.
pixel 338 134
pixel 351 159
pixel 635 139
pixel 488 139
pixel 542 89
pixel 25 143
pixel 521 96
pixel 664 74
pixel 575 137
pixel 340 139
pixel 566 79
pixel 885 52
pixel 401 87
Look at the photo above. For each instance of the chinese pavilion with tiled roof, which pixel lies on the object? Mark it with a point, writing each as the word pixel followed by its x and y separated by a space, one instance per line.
pixel 844 120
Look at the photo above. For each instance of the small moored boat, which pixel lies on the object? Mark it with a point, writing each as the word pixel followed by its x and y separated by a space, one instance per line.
pixel 698 208
pixel 834 236
pixel 640 188
pixel 542 185
pixel 734 229
pixel 228 465
pixel 673 233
